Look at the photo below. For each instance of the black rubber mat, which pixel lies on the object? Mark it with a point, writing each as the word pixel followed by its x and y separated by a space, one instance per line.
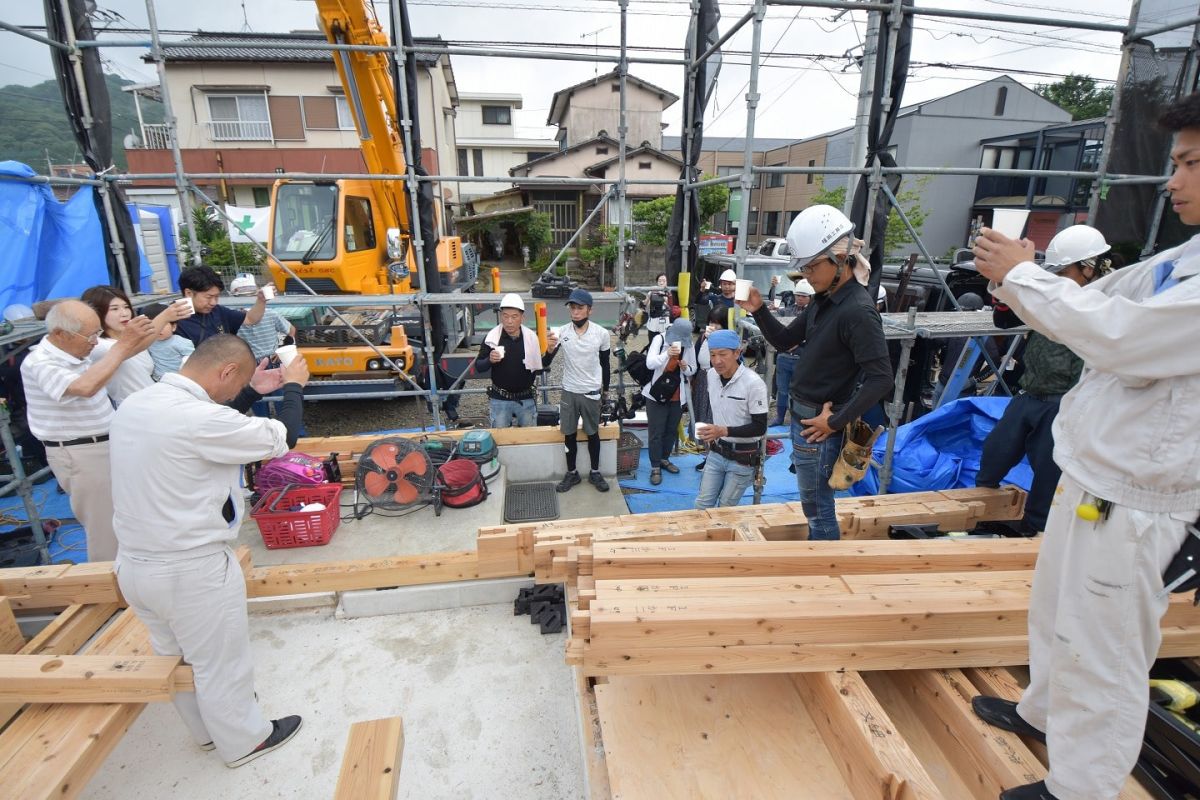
pixel 530 502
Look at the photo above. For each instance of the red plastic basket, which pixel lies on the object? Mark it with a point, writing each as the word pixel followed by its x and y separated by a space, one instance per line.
pixel 283 529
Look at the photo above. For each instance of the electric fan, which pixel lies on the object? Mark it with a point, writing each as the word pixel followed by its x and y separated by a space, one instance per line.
pixel 393 474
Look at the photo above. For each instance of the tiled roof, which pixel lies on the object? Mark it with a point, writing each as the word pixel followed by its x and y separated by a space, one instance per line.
pixel 258 47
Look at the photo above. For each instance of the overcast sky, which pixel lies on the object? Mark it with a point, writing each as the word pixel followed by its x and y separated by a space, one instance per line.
pixel 800 96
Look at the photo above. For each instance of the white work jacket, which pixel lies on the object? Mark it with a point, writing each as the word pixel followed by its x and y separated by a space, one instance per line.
pixel 1129 431
pixel 657 357
pixel 177 459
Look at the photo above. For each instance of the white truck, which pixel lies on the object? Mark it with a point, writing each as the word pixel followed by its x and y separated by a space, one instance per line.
pixel 774 248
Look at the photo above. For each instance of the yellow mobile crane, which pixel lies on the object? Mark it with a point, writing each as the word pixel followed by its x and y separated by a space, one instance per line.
pixel 354 236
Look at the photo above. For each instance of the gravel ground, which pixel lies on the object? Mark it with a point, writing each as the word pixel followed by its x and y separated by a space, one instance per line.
pixel 345 417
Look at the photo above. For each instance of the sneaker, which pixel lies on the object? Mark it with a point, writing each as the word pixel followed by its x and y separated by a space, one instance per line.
pixel 597 480
pixel 775 422
pixel 700 466
pixel 570 479
pixel 1030 791
pixel 669 467
pixel 655 477
pixel 282 731
pixel 1003 714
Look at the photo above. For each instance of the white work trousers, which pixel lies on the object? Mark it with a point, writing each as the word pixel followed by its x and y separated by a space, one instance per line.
pixel 196 608
pixel 85 474
pixel 1093 635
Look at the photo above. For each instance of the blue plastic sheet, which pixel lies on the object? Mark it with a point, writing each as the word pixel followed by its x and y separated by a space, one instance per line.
pixel 941 450
pixel 48 249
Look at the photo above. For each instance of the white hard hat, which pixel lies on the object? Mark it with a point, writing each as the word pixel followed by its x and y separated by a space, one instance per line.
pixel 815 230
pixel 243 285
pixel 804 287
pixel 512 300
pixel 1072 245
pixel 727 275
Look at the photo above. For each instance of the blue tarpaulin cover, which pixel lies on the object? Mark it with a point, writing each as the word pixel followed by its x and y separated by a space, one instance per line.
pixel 48 249
pixel 941 450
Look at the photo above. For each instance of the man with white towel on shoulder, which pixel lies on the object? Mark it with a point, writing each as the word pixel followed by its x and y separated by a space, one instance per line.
pixel 510 352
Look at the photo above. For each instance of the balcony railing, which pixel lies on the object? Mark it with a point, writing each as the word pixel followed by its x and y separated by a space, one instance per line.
pixel 238 130
pixel 155 137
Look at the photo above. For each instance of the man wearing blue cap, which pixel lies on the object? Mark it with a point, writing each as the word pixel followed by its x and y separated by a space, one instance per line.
pixel 739 411
pixel 585 380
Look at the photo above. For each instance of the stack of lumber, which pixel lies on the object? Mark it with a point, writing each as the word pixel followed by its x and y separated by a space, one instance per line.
pixel 533 547
pixel 755 607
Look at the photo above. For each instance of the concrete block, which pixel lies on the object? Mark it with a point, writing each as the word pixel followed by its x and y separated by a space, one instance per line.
pixel 432 597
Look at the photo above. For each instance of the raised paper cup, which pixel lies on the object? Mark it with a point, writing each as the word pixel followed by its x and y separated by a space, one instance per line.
pixel 742 290
pixel 287 353
pixel 268 291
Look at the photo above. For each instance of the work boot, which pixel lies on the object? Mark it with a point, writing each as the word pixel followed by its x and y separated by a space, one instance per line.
pixel 282 731
pixel 1030 791
pixel 655 477
pixel 669 467
pixel 570 479
pixel 852 462
pixel 1003 714
pixel 597 480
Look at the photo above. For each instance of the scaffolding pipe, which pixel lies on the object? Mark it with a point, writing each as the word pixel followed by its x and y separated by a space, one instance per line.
pixel 1136 35
pixel 22 483
pixel 760 11
pixel 685 191
pixel 737 26
pixel 1111 118
pixel 622 139
pixel 181 186
pixel 28 34
pixel 114 237
pixel 866 88
pixel 51 180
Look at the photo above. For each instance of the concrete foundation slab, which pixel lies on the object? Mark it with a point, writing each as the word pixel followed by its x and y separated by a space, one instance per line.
pixel 432 597
pixel 487 701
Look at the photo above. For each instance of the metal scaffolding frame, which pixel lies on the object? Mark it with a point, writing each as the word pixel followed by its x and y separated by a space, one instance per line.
pixel 185 183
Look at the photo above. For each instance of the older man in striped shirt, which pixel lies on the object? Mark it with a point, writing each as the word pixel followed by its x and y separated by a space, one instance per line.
pixel 68 409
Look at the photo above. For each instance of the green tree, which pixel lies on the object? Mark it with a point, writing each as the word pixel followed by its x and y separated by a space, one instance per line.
pixel 897 235
pixel 216 250
pixel 654 216
pixel 1079 95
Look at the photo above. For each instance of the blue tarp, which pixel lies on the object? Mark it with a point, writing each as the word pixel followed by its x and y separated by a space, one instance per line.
pixel 48 249
pixel 941 450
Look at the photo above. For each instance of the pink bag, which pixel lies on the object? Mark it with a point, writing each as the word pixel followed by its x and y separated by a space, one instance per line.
pixel 290 468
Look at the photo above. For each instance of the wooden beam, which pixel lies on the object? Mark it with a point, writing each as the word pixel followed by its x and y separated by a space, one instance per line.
pixel 988 758
pixel 873 758
pixel 341 576
pixel 89 679
pixel 746 559
pixel 371 763
pixel 11 638
pixel 60 585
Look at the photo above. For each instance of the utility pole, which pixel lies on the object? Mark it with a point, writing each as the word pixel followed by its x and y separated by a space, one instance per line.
pixel 866 93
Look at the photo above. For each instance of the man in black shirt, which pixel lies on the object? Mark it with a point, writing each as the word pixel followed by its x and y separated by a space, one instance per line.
pixel 510 352
pixel 843 369
pixel 203 286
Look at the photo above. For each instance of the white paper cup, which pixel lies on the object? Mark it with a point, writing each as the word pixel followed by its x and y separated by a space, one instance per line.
pixel 268 291
pixel 700 426
pixel 1009 221
pixel 287 353
pixel 499 349
pixel 187 301
pixel 742 290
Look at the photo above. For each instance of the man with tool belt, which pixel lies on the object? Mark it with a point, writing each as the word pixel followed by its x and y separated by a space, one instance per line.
pixel 739 411
pixel 843 369
pixel 1127 439
pixel 510 352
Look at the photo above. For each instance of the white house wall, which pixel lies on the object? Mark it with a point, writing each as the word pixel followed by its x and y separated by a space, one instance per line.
pixel 596 108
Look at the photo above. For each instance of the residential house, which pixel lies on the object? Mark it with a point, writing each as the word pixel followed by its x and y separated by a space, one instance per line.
pixel 260 109
pixel 946 132
pixel 488 144
pixel 586 115
pixel 1054 202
